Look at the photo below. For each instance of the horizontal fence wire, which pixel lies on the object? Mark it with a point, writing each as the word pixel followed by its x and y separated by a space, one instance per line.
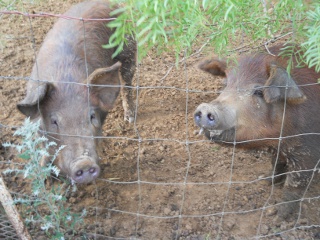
pixel 185 183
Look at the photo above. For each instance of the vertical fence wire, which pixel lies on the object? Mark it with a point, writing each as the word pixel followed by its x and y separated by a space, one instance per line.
pixel 139 215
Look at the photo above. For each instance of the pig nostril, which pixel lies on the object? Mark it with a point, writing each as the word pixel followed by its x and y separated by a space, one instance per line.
pixel 198 115
pixel 210 117
pixel 92 170
pixel 79 173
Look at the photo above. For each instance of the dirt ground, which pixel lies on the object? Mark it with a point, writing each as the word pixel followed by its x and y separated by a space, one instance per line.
pixel 173 184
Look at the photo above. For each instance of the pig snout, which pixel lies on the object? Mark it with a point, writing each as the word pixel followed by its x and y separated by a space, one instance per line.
pixel 215 117
pixel 85 170
pixel 206 116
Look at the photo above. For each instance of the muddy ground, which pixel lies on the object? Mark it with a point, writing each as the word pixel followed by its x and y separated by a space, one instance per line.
pixel 173 184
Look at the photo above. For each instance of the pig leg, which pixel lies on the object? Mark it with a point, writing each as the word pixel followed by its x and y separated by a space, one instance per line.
pixel 279 168
pixel 295 185
pixel 127 101
pixel 128 60
pixel 291 195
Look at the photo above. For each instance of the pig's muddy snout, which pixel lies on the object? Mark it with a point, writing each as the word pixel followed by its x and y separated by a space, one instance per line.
pixel 85 170
pixel 205 117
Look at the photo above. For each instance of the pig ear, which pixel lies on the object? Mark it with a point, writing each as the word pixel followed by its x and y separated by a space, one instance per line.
pixel 102 95
pixel 36 93
pixel 214 66
pixel 276 87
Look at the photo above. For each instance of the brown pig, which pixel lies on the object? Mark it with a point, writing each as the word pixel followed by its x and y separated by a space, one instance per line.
pixel 264 106
pixel 74 83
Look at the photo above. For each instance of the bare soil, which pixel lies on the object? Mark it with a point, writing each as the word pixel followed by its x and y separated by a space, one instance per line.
pixel 173 183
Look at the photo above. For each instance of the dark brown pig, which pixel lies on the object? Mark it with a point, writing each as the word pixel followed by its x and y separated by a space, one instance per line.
pixel 264 106
pixel 73 85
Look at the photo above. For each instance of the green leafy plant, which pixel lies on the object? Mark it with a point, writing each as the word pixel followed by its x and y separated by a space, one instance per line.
pixel 45 207
pixel 221 24
pixel 312 44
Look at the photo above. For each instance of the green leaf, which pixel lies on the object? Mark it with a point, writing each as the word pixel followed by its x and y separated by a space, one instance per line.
pixel 141 20
pixel 118 11
pixel 146 29
pixel 115 24
pixel 228 11
pixel 118 50
pixel 25 155
pixel 204 4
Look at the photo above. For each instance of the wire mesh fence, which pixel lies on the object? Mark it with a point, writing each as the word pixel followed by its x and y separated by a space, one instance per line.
pixel 7 231
pixel 159 179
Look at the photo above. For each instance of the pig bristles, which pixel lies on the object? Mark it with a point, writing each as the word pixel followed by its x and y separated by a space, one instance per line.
pixel 200 131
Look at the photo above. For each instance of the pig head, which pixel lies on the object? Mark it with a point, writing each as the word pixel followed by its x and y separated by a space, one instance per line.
pixel 72 115
pixel 262 105
pixel 254 96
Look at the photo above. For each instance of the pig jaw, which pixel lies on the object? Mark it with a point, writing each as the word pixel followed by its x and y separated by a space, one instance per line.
pixel 226 136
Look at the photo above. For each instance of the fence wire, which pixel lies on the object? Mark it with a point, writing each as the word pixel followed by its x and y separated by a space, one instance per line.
pixel 7 231
pixel 183 185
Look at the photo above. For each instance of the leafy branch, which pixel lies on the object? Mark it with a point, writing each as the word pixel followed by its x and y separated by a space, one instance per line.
pixel 180 24
pixel 312 43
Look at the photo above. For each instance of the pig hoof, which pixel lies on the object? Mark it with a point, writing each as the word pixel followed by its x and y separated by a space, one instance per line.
pixel 286 210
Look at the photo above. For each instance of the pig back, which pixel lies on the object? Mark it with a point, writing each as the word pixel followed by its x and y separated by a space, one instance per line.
pixel 300 117
pixel 75 46
pixel 305 117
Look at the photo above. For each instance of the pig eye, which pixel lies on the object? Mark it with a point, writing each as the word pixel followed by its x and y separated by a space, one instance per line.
pixel 54 122
pixel 258 92
pixel 94 120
